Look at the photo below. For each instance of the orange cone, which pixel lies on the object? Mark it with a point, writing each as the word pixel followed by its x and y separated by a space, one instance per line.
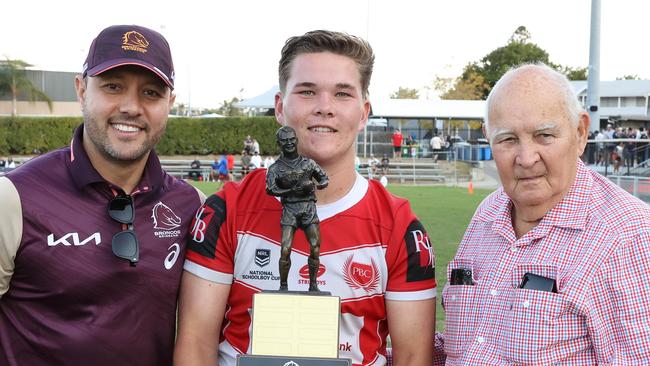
pixel 470 188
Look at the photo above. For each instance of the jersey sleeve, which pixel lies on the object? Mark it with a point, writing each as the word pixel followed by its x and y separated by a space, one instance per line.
pixel 210 251
pixel 410 258
pixel 11 229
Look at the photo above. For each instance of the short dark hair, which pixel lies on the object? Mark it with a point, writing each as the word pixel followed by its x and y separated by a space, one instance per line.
pixel 338 43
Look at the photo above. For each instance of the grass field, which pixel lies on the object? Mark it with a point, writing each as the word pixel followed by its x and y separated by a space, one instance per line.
pixel 444 212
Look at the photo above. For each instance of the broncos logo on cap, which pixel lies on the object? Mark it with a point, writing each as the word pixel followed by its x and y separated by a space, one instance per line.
pixel 134 41
pixel 164 218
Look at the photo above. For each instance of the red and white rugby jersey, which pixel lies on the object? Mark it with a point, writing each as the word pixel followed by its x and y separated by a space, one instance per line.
pixel 373 248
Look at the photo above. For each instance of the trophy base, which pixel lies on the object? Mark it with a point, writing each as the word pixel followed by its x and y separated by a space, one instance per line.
pixel 250 360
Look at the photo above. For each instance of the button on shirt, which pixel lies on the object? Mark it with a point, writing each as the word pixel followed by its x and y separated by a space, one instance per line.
pixel 595 243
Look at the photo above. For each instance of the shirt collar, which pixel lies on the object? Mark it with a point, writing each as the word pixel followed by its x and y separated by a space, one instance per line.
pixel 570 212
pixel 84 173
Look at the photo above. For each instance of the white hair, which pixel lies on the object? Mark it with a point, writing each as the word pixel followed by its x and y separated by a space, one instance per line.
pixel 571 104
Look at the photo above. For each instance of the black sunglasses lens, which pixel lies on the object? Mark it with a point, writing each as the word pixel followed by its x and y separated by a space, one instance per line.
pixel 125 245
pixel 121 209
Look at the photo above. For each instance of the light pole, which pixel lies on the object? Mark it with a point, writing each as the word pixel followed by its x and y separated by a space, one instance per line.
pixel 593 82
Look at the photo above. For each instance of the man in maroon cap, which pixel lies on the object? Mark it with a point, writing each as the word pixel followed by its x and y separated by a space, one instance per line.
pixel 89 269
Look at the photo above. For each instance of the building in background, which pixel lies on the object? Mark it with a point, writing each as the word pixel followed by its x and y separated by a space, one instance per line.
pixel 58 85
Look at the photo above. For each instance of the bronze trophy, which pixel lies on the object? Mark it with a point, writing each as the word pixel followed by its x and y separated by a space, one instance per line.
pixel 295 327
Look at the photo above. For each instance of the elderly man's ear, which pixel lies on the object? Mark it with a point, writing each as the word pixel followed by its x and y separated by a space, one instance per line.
pixel 582 132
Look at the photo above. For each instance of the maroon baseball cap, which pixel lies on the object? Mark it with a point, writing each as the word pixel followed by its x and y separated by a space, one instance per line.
pixel 120 45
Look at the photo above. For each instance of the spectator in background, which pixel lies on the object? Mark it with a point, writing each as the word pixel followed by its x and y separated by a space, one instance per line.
pixel 268 161
pixel 220 170
pixel 248 145
pixel 397 143
pixel 642 151
pixel 195 170
pixel 10 163
pixel 3 163
pixel 384 164
pixel 449 145
pixel 436 146
pixel 357 163
pixel 245 163
pixel 628 147
pixel 256 146
pixel 230 159
pixel 600 148
pixel 214 170
pixel 373 165
pixel 256 160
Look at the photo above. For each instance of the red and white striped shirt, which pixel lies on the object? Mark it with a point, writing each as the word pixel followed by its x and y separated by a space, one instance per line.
pixel 595 243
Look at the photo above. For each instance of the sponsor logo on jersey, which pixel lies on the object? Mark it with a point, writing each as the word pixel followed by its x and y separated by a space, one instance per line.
pixel 165 221
pixel 304 273
pixel 361 275
pixel 291 363
pixel 96 238
pixel 260 275
pixel 345 347
pixel 206 226
pixel 421 260
pixel 262 257
pixel 171 258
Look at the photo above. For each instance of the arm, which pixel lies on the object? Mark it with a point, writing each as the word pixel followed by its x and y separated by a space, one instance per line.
pixel 272 186
pixel 619 320
pixel 320 176
pixel 412 325
pixel 11 229
pixel 201 309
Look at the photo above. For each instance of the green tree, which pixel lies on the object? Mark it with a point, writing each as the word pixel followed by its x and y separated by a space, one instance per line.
pixel 478 78
pixel 493 65
pixel 629 77
pixel 228 107
pixel 405 93
pixel 577 73
pixel 14 81
pixel 467 87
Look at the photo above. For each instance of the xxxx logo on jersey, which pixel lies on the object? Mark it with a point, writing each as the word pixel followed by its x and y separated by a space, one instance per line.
pixel 206 226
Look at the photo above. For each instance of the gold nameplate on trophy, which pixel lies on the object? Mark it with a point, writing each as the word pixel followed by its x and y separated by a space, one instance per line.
pixel 292 324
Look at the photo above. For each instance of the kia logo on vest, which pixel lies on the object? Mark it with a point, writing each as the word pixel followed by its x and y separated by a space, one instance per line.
pixel 96 237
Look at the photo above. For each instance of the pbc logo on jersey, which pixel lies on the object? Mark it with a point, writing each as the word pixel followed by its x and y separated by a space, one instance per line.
pixel 421 260
pixel 206 226
pixel 262 257
pixel 361 275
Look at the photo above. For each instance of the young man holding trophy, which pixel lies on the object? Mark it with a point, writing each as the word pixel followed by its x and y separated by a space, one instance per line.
pixel 374 253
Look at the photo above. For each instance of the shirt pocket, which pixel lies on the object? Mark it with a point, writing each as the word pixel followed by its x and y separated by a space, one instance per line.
pixel 461 312
pixel 535 320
